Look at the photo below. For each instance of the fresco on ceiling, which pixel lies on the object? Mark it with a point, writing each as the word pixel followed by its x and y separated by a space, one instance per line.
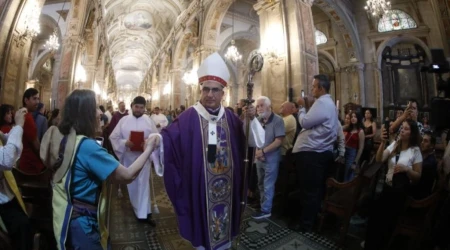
pixel 138 20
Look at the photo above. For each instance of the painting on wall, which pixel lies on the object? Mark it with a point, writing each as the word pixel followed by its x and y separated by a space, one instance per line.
pixel 138 20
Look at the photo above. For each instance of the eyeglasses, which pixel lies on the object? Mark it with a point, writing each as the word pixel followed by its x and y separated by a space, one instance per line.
pixel 206 90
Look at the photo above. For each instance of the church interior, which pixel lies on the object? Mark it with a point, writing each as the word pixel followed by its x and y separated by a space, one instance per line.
pixel 376 54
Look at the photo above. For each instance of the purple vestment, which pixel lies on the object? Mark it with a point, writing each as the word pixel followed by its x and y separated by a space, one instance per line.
pixel 200 192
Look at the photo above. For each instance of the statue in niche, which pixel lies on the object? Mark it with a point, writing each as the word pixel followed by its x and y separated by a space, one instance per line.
pixel 169 54
pixel 195 28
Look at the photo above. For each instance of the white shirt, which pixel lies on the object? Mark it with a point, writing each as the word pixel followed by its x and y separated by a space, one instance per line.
pixel 160 119
pixel 319 131
pixel 407 158
pixel 8 157
pixel 109 115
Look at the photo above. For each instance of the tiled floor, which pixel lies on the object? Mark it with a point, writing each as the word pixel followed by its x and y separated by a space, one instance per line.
pixel 128 234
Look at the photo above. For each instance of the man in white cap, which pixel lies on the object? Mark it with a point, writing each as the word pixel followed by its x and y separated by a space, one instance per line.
pixel 204 163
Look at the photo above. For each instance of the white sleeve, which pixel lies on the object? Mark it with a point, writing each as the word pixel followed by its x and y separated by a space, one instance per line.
pixel 117 142
pixel 10 153
pixel 417 155
pixel 157 157
pixel 388 150
pixel 257 133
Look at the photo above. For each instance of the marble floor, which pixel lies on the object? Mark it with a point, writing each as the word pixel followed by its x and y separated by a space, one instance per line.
pixel 129 234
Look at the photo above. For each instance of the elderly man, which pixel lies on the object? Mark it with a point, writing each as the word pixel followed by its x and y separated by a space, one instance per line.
pixel 314 148
pixel 268 156
pixel 203 163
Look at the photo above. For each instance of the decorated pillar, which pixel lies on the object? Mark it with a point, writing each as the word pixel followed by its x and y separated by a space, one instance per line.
pixel 66 81
pixel 178 94
pixel 288 46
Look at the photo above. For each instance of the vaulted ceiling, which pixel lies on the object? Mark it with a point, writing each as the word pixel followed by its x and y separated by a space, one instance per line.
pixel 135 31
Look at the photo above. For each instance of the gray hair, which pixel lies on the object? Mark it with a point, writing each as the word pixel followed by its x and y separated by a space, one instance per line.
pixel 265 99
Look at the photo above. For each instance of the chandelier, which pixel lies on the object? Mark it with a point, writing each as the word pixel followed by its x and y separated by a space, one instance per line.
pixel 377 8
pixel 190 77
pixel 233 53
pixel 52 43
pixel 33 27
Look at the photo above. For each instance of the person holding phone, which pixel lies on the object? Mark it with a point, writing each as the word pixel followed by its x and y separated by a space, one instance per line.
pixel 411 112
pixel 404 161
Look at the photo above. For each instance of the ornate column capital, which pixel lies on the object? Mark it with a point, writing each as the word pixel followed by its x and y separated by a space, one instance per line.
pixel 73 40
pixel 263 5
pixel 308 2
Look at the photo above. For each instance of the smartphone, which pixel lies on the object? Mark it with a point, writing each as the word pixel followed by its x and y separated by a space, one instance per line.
pixel 387 124
pixel 99 140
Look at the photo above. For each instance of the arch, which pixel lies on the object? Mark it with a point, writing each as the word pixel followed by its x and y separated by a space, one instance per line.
pixel 346 25
pixel 239 35
pixel 399 39
pixel 329 57
pixel 214 17
pixel 396 20
pixel 379 57
pixel 40 60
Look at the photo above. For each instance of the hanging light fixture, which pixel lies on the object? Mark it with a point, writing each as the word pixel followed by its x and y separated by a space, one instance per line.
pixel 34 27
pixel 31 21
pixel 377 8
pixel 232 53
pixel 53 41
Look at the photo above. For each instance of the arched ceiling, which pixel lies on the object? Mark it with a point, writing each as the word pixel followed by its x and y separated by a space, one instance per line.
pixel 135 31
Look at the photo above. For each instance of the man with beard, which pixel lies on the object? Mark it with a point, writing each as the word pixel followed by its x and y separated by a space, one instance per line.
pixel 30 161
pixel 121 139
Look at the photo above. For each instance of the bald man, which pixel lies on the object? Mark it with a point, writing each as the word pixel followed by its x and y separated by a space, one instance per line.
pixel 290 125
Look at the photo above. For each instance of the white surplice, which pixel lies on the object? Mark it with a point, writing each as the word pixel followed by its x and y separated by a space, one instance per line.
pixel 160 119
pixel 139 189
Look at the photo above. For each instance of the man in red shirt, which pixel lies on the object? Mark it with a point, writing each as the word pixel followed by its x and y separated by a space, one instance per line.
pixel 30 162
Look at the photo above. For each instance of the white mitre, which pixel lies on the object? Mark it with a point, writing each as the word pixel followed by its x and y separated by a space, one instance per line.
pixel 213 68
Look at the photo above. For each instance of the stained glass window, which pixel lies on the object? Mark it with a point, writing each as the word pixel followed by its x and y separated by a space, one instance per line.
pixel 396 20
pixel 320 37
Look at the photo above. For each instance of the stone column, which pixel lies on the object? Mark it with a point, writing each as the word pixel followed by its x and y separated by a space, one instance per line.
pixel 178 94
pixel 66 80
pixel 90 77
pixel 288 45
pixel 55 78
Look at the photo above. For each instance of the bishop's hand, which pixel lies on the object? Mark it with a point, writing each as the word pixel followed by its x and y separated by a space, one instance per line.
pixel 249 111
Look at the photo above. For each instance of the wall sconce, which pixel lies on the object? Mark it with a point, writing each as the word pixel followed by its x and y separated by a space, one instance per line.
pixel 167 89
pixel 273 56
pixel 273 44
pixel 80 76
pixel 156 96
pixel 190 78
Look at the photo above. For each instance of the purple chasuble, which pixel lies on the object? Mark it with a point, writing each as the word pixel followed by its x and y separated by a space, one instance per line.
pixel 206 197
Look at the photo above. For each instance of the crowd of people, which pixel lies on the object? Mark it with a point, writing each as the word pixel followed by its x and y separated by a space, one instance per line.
pixel 200 152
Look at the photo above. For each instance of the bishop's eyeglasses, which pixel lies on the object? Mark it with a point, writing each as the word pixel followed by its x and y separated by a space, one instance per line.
pixel 206 90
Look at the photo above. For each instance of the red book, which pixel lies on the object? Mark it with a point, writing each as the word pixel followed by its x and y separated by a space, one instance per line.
pixel 137 138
